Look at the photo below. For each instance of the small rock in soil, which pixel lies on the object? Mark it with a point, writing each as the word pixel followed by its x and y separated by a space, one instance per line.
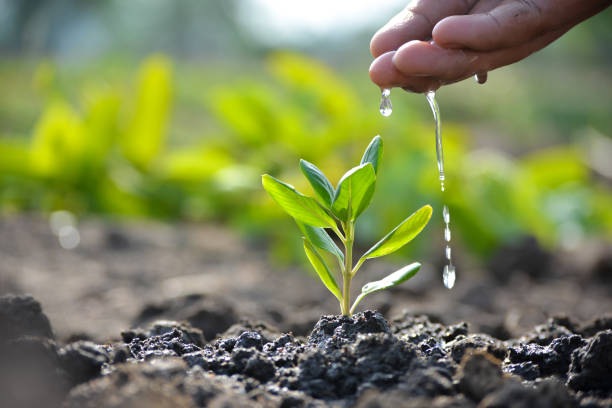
pixel 462 345
pixel 479 375
pixel 31 374
pixel 513 394
pixel 591 367
pixel 554 328
pixel 553 359
pixel 21 315
pixel 163 338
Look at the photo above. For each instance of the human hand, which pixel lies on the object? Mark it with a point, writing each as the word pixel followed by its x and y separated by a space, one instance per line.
pixel 469 37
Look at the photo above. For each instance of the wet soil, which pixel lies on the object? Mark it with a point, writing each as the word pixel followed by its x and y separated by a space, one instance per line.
pixel 148 315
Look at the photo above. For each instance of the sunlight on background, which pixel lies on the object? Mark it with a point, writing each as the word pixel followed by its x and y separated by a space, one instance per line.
pixel 278 22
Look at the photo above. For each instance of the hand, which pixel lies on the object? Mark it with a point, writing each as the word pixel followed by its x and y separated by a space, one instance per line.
pixel 469 37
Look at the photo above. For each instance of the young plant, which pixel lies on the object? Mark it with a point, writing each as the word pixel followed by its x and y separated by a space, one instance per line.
pixel 336 210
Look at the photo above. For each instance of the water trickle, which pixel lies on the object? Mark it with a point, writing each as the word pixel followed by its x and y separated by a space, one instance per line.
pixel 431 98
pixel 448 275
pixel 385 103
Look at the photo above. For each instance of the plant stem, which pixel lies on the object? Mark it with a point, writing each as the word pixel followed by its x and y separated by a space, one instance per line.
pixel 346 271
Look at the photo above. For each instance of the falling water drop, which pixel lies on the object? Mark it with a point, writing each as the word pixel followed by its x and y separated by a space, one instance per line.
pixel 448 276
pixel 447 233
pixel 446 214
pixel 385 103
pixel 448 253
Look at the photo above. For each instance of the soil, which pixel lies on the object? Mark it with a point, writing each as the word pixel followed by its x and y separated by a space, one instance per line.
pixel 151 315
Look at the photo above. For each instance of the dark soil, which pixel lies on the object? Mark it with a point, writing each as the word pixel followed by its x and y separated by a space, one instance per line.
pixel 149 316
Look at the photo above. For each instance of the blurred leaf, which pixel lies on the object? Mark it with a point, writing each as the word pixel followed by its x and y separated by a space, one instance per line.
pixel 194 165
pixel 58 142
pixel 553 167
pixel 354 192
pixel 144 137
pixel 319 265
pixel 14 158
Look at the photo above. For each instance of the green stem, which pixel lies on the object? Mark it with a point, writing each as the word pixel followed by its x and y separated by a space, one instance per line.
pixel 361 296
pixel 357 266
pixel 346 271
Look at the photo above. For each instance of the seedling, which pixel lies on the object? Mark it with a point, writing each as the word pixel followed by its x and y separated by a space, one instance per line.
pixel 336 210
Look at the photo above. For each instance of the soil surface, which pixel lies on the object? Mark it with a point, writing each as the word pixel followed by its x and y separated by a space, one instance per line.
pixel 151 315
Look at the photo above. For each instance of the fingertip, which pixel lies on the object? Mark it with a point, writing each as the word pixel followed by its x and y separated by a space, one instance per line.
pixel 450 32
pixel 384 40
pixel 412 58
pixel 383 73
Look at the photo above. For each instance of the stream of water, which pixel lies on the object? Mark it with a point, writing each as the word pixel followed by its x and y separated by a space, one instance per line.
pixel 449 273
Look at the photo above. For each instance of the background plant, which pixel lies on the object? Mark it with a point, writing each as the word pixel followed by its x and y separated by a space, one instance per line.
pixel 341 206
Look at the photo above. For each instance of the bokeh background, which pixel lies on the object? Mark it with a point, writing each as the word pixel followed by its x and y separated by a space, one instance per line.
pixel 172 110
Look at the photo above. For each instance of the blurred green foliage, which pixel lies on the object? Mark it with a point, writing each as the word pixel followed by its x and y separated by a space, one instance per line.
pixel 180 144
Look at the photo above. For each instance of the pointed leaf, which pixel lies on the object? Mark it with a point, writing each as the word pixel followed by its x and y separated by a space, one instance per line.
pixel 320 239
pixel 322 269
pixel 387 282
pixel 391 280
pixel 354 192
pixel 373 153
pixel 320 184
pixel 402 234
pixel 297 205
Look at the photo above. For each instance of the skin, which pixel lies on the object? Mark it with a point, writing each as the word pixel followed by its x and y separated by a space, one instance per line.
pixel 437 42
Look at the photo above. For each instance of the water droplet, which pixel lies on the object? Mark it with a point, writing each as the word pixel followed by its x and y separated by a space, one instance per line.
pixel 446 214
pixel 448 276
pixel 481 77
pixel 448 253
pixel 386 108
pixel 447 234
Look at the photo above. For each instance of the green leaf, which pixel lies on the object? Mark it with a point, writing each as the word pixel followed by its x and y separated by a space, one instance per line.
pixel 322 269
pixel 373 153
pixel 297 205
pixel 320 184
pixel 387 282
pixel 393 279
pixel 402 234
pixel 354 192
pixel 320 239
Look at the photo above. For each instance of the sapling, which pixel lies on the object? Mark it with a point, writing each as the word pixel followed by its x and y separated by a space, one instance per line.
pixel 336 210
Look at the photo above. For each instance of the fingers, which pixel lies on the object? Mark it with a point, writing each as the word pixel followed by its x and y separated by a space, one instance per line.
pixel 507 25
pixel 420 58
pixel 415 22
pixel 384 74
pixel 420 66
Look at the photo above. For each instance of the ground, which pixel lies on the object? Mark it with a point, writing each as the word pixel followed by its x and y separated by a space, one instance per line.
pixel 147 314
